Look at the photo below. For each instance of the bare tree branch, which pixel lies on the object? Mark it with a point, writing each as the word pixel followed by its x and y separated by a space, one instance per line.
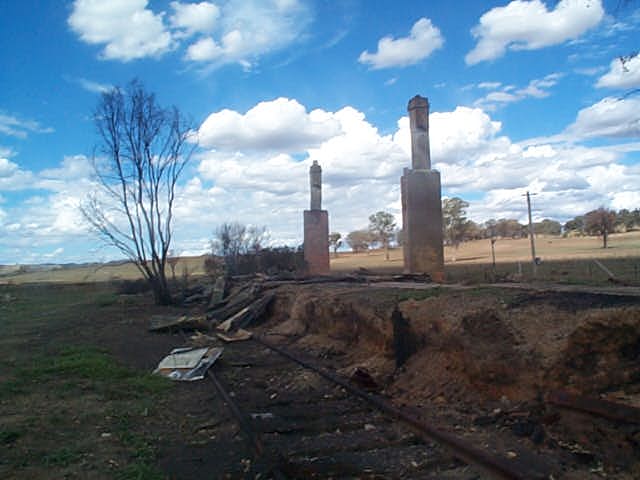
pixel 144 149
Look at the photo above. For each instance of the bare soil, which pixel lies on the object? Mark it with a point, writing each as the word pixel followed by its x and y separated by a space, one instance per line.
pixel 486 350
pixel 482 360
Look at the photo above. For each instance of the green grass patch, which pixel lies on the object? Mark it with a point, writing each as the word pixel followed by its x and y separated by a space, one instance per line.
pixel 59 391
pixel 106 299
pixel 7 437
pixel 82 362
pixel 414 294
pixel 62 457
pixel 11 388
pixel 85 370
pixel 140 471
pixel 141 449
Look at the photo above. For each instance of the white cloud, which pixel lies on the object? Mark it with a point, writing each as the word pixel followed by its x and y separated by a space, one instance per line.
pixel 248 29
pixel 280 124
pixel 6 152
pixel 454 134
pixel 589 71
pixel 358 152
pixel 12 177
pixel 471 155
pixel 205 49
pixel 20 128
pixel 127 28
pixel 238 31
pixel 489 85
pixel 255 178
pixel 46 221
pixel 422 41
pixel 51 255
pixel 361 170
pixel 610 117
pixel 536 88
pixel 194 18
pixel 7 168
pixel 73 167
pixel 94 87
pixel 624 72
pixel 529 25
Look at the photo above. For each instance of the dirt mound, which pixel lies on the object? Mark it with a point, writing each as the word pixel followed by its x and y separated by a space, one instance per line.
pixel 468 344
pixel 338 322
pixel 603 354
pixel 483 361
pixel 469 350
pixel 489 350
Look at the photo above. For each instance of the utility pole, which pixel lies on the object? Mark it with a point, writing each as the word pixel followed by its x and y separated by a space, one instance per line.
pixel 533 243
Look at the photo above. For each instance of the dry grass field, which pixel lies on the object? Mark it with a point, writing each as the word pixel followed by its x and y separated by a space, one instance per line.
pixel 621 245
pixel 190 266
pixel 569 258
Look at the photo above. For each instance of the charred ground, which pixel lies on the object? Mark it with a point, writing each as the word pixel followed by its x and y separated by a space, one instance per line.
pixel 482 361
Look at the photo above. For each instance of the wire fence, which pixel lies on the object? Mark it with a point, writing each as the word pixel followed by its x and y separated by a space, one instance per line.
pixel 590 271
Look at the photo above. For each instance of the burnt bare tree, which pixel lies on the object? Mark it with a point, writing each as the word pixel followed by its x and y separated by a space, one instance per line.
pixel 233 240
pixel 143 149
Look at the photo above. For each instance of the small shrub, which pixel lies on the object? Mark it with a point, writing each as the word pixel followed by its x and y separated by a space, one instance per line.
pixel 270 261
pixel 8 436
pixel 214 266
pixel 132 287
pixel 280 259
pixel 106 300
pixel 62 458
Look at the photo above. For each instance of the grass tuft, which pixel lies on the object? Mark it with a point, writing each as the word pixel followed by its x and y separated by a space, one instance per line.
pixel 139 471
pixel 418 294
pixel 62 458
pixel 8 437
pixel 80 364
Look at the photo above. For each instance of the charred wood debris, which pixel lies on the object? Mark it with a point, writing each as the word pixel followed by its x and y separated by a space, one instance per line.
pixel 234 303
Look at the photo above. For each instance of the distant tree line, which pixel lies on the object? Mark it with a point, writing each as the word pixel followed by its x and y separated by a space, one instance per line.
pixel 601 222
pixel 457 228
pixel 242 248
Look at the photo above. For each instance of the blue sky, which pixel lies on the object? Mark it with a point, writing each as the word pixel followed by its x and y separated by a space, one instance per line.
pixel 525 95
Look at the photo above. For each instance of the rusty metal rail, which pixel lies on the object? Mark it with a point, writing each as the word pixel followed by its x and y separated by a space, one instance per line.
pixel 245 426
pixel 594 406
pixel 497 466
pixel 243 422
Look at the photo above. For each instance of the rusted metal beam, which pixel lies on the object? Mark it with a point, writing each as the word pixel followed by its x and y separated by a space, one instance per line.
pixel 242 420
pixel 595 406
pixel 497 466
pixel 245 426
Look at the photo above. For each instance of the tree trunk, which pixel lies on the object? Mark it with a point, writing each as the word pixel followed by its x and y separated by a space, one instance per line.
pixel 161 292
pixel 386 252
pixel 604 239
